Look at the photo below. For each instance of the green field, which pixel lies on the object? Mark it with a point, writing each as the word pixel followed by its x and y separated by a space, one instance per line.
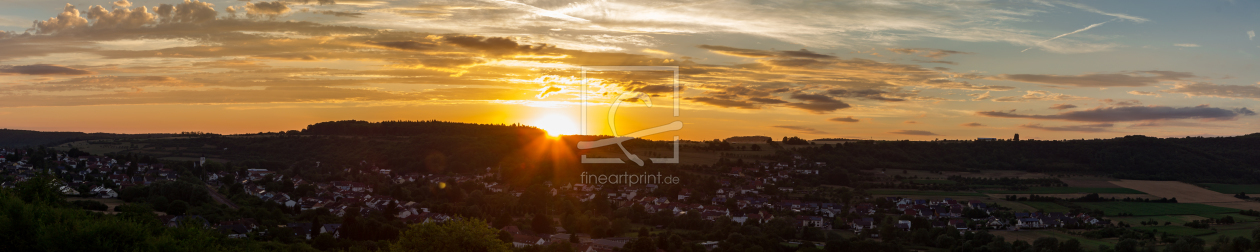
pixel 1175 219
pixel 1175 230
pixel 1231 189
pixel 922 193
pixel 1063 190
pixel 1152 209
pixel 1048 207
pixel 934 181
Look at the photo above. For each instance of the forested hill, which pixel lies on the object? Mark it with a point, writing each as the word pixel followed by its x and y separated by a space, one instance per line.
pixel 412 128
pixel 23 138
pixel 1219 159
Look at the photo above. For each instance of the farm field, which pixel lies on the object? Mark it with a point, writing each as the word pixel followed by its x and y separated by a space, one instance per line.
pixel 922 193
pixel 1087 181
pixel 1032 235
pixel 1078 195
pixel 1231 189
pixel 934 181
pixel 1062 190
pixel 1048 207
pixel 1175 219
pixel 1175 230
pixel 1185 193
pixel 1154 209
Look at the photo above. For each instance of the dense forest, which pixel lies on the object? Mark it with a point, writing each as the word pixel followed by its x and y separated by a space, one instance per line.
pixel 22 138
pixel 1192 159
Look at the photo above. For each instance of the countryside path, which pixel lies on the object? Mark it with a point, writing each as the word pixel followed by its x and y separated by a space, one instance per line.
pixel 218 197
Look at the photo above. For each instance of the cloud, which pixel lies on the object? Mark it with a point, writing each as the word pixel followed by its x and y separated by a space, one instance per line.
pixel 41 69
pixel 1097 11
pixel 914 133
pixel 1098 127
pixel 1214 90
pixel 339 13
pixel 979 96
pixel 910 122
pixel 724 103
pixel 1132 79
pixel 68 19
pixel 1062 106
pixel 1065 34
pixel 1251 35
pixel 190 11
pixel 122 3
pixel 1038 95
pixel 1135 92
pixel 547 91
pixel 754 53
pixel 870 94
pixel 1134 113
pixel 1187 45
pixel 1122 103
pixel 271 9
pixel 816 103
pixel 930 53
pixel 802 129
pixel 848 119
pixel 974 124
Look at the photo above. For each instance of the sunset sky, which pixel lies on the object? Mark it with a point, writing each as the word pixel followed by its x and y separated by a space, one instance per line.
pixel 918 70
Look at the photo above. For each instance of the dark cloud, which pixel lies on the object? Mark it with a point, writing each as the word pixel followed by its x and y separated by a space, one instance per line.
pixel 42 69
pixel 725 103
pixel 652 89
pixel 1133 79
pixel 802 129
pixel 1214 90
pixel 1134 113
pixel 974 124
pixel 870 94
pixel 767 100
pixel 1098 127
pixel 816 103
pixel 914 133
pixel 340 13
pixel 1062 106
pixel 847 119
pixel 492 45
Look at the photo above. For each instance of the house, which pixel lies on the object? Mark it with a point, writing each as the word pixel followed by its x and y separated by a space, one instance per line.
pixel 1030 223
pixel 863 223
pixel 904 225
pixel 522 240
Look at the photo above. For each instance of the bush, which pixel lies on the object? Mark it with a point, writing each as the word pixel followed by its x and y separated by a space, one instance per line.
pixel 90 205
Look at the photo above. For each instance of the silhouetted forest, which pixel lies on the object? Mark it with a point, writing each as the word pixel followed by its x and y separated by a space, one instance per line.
pixel 23 138
pixel 1192 159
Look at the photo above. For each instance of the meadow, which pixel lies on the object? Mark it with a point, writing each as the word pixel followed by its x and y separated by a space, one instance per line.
pixel 1064 190
pixel 1153 209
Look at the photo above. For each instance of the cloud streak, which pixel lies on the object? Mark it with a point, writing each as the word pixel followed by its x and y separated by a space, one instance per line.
pixel 1065 34
pixel 802 129
pixel 1133 113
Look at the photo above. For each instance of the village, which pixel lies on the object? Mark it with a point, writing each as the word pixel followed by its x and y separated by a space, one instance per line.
pixel 743 197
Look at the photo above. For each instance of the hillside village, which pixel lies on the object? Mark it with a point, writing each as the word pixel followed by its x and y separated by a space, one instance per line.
pixel 748 195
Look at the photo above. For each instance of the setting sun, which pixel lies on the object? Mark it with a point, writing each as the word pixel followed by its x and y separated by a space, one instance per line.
pixel 556 125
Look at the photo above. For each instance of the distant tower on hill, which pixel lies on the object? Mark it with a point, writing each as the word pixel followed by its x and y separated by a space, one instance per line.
pixel 1017 137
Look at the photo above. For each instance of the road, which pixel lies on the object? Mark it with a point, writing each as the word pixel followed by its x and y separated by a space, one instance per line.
pixel 218 197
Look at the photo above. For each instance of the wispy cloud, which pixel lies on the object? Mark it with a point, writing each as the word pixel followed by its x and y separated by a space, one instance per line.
pixel 1065 34
pixel 802 129
pixel 914 133
pixel 1095 10
pixel 538 11
pixel 1187 45
pixel 1251 35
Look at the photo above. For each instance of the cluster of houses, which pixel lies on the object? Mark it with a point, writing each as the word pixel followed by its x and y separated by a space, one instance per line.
pixel 87 176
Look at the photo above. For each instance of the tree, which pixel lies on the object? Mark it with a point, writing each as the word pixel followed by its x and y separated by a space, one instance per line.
pixel 459 234
pixel 542 224
pixel 505 236
pixel 179 207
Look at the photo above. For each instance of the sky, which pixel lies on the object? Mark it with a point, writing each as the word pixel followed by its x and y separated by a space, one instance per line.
pixel 892 70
